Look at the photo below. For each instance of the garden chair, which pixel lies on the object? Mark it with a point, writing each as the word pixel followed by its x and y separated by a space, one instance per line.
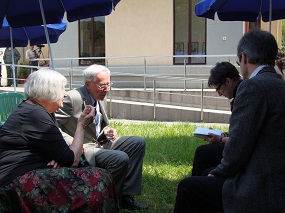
pixel 9 101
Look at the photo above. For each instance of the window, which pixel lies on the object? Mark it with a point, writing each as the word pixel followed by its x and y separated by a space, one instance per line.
pixel 253 25
pixel 189 33
pixel 92 40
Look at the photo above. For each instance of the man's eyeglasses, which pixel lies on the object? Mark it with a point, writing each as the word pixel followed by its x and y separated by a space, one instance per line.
pixel 219 87
pixel 239 59
pixel 238 63
pixel 104 86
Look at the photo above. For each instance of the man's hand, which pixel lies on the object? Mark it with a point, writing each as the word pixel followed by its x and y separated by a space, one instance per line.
pixel 212 138
pixel 111 133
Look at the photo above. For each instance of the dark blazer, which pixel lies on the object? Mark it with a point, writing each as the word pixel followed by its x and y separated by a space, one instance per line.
pixel 253 158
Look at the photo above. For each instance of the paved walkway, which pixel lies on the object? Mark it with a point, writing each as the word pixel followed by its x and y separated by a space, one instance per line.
pixel 20 89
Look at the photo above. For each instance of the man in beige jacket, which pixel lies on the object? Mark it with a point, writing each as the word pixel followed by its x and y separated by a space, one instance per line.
pixel 121 156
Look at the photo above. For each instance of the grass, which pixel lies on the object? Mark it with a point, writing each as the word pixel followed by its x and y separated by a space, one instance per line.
pixel 168 159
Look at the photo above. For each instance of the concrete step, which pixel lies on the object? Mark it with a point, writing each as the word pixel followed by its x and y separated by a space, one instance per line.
pixel 138 105
pixel 122 109
pixel 178 97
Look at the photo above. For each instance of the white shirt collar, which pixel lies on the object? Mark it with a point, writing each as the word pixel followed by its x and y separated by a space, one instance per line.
pixel 256 71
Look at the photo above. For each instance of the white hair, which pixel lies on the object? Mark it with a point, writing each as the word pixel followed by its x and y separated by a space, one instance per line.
pixel 45 84
pixel 91 72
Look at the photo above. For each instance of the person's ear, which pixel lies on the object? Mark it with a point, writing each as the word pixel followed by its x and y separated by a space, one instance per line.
pixel 244 58
pixel 229 82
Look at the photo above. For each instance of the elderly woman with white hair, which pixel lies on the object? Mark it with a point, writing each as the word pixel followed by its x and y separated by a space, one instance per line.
pixel 36 162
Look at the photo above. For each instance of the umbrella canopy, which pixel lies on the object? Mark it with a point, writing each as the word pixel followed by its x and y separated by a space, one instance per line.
pixel 241 10
pixel 28 12
pixel 19 37
pixel 34 34
pixel 36 12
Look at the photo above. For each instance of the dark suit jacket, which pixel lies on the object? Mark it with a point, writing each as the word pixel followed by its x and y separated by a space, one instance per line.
pixel 253 158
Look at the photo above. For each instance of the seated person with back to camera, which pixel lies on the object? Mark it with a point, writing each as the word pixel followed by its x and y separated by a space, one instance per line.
pixel 208 156
pixel 250 176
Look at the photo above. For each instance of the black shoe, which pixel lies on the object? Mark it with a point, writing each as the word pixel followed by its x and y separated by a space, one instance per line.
pixel 128 202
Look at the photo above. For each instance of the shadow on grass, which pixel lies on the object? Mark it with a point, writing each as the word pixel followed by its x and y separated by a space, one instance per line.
pixel 168 159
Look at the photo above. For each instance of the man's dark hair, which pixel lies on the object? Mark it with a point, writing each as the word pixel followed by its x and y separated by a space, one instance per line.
pixel 220 72
pixel 260 47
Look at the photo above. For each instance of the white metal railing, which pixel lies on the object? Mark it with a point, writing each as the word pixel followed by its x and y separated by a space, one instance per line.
pixel 73 73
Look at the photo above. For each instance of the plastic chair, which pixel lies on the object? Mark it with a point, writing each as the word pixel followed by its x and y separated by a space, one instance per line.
pixel 9 101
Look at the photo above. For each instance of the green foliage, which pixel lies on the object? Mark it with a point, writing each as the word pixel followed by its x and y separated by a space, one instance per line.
pixel 168 158
pixel 23 71
pixel 283 36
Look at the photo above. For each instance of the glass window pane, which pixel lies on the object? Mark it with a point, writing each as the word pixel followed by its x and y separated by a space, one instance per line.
pixel 198 36
pixel 189 32
pixel 99 39
pixel 85 40
pixel 92 40
pixel 181 33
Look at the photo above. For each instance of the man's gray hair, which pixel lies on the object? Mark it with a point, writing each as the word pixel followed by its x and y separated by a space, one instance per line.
pixel 260 47
pixel 91 72
pixel 45 84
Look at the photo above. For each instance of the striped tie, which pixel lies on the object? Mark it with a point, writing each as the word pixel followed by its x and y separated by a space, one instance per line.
pixel 97 118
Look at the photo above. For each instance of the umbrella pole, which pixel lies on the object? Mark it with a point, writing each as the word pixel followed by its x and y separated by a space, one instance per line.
pixel 13 63
pixel 270 14
pixel 47 35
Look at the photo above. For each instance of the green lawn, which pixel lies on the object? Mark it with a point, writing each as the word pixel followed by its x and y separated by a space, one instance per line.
pixel 168 159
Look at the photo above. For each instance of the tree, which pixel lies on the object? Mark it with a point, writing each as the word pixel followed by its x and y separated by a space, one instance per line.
pixel 283 36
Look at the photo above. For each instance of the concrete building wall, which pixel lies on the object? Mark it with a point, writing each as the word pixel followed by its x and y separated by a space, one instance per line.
pixel 276 30
pixel 140 28
pixel 222 38
pixel 146 28
pixel 67 46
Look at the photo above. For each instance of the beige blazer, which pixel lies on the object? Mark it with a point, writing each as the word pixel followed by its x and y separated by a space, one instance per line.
pixel 68 115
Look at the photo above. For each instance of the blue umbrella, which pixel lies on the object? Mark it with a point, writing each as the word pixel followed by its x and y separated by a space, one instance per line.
pixel 19 37
pixel 241 10
pixel 35 34
pixel 21 13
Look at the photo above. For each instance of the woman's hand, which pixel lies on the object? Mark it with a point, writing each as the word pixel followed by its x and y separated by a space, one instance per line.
pixel 53 164
pixel 87 116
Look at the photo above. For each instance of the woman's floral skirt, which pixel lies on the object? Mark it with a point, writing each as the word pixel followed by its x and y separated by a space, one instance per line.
pixel 86 189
